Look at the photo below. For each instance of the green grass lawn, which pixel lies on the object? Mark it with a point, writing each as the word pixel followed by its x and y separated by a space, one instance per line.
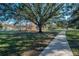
pixel 73 39
pixel 24 43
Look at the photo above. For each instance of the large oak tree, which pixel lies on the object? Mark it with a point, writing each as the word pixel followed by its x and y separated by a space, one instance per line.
pixel 39 13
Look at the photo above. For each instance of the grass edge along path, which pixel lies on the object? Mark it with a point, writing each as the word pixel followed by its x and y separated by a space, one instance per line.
pixel 73 40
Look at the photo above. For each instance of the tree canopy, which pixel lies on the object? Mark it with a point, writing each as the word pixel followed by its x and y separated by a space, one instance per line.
pixel 39 13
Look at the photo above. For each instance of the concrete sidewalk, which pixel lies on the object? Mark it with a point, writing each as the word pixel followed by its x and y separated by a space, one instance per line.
pixel 58 47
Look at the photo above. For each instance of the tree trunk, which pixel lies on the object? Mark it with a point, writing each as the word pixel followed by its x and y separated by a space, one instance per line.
pixel 40 28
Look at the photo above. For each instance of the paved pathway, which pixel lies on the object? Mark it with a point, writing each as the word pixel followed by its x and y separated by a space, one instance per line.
pixel 58 47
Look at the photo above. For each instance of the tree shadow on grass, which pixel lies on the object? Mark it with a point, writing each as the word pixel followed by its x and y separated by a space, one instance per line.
pixel 15 43
pixel 74 45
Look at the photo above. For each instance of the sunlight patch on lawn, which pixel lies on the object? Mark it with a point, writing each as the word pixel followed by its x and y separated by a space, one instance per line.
pixel 4 45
